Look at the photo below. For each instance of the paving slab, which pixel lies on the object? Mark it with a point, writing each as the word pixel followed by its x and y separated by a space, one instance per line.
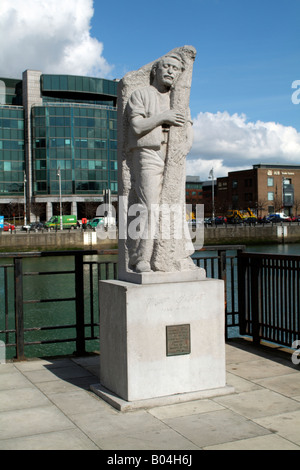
pixel 185 409
pixel 260 368
pixel 286 425
pixel 32 421
pixel 288 385
pixel 258 403
pixel 239 384
pixel 21 398
pixel 155 440
pixel 268 442
pixel 78 401
pixel 47 374
pixel 216 427
pixel 14 380
pixel 70 439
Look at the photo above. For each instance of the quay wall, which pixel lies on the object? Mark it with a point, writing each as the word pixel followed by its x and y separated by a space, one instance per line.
pixel 251 234
pixel 51 241
pixel 78 239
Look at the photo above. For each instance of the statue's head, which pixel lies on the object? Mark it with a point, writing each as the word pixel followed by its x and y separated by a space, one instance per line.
pixel 167 70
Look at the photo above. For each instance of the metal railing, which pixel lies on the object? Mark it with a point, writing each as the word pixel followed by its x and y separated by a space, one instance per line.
pixel 269 297
pixel 17 304
pixel 220 262
pixel 84 273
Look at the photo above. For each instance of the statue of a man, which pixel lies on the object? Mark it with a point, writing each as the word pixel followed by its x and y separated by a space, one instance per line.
pixel 150 118
pixel 152 110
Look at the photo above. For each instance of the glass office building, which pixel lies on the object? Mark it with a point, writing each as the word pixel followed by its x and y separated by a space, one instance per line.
pixel 57 123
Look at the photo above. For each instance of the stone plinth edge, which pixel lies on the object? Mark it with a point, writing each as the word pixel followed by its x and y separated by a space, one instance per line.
pixel 198 274
pixel 123 405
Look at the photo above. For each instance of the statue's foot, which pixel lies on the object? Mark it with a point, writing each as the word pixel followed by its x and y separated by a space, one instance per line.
pixel 187 264
pixel 142 267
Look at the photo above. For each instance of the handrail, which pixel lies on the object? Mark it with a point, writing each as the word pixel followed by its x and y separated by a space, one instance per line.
pixel 269 301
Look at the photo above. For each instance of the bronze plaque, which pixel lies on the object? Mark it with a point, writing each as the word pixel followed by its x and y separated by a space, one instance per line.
pixel 178 340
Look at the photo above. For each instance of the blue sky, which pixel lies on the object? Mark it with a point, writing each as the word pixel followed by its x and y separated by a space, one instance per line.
pixel 248 56
pixel 248 52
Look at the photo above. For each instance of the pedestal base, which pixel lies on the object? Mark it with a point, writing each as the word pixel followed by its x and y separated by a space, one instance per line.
pixel 161 340
pixel 123 405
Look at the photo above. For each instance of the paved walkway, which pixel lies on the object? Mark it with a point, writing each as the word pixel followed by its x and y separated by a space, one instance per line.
pixel 48 405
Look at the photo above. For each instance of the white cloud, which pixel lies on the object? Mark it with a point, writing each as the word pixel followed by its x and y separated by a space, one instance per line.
pixel 228 143
pixel 52 36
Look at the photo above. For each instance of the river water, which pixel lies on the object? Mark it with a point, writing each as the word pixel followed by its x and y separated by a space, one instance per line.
pixel 51 314
pixel 282 249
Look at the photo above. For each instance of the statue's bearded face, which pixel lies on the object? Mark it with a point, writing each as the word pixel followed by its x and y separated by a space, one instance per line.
pixel 167 71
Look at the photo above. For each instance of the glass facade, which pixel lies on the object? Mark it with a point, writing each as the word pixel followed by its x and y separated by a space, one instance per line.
pixel 10 91
pixel 12 155
pixel 77 84
pixel 72 128
pixel 81 140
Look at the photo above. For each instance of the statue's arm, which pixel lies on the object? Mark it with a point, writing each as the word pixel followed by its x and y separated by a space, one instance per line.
pixel 142 125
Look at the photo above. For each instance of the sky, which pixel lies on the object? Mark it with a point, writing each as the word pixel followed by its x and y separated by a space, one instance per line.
pixel 245 95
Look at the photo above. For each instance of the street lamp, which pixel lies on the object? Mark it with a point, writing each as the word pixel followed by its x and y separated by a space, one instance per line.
pixel 25 215
pixel 60 203
pixel 212 177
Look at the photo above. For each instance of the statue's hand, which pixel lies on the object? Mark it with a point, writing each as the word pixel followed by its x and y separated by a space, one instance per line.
pixel 173 118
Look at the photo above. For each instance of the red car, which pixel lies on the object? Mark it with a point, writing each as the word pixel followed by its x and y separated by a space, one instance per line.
pixel 8 227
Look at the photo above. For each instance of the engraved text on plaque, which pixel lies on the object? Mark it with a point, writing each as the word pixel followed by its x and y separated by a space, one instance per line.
pixel 178 340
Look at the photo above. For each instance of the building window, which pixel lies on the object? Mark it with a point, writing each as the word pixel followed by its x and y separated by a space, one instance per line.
pixel 270 181
pixel 248 197
pixel 270 196
pixel 234 184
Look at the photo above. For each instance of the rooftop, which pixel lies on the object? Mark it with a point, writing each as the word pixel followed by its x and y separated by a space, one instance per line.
pixel 48 404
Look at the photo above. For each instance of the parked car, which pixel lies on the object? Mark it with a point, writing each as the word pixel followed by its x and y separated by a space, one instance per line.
pixel 26 227
pixel 8 227
pixel 278 218
pixel 95 223
pixel 263 220
pixel 220 220
pixel 36 227
pixel 68 221
pixel 296 218
pixel 101 223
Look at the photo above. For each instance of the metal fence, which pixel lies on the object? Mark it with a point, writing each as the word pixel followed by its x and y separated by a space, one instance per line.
pixel 269 300
pixel 81 271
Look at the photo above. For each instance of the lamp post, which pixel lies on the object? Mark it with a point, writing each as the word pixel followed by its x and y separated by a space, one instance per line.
pixel 60 203
pixel 212 177
pixel 25 214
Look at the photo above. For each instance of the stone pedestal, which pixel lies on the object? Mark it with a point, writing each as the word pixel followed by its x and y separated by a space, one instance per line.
pixel 161 343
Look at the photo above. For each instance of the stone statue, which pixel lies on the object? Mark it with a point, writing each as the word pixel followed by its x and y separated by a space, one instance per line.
pixel 155 135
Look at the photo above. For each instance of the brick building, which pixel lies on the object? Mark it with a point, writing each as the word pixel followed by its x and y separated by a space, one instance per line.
pixel 265 189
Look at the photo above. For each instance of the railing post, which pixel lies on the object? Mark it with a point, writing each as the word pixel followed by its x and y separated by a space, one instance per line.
pixel 255 298
pixel 242 283
pixel 79 292
pixel 19 313
pixel 222 275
